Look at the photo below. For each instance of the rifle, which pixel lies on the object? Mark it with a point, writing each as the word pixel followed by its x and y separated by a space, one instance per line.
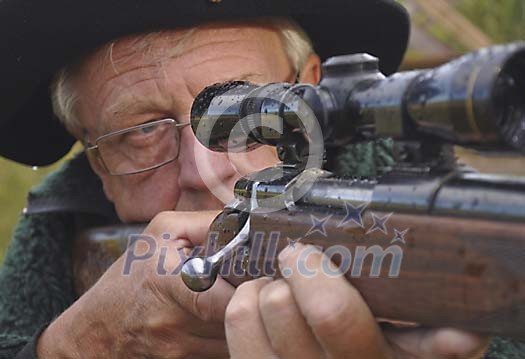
pixel 427 240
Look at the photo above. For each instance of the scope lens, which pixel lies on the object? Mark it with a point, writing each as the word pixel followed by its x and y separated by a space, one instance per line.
pixel 509 101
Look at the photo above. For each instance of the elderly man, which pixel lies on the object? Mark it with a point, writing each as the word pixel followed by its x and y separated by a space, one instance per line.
pixel 119 87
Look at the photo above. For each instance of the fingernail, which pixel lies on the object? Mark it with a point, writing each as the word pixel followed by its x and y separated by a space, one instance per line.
pixel 454 342
pixel 181 243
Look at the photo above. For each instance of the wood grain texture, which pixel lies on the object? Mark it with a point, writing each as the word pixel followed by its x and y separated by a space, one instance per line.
pixel 455 272
pixel 462 273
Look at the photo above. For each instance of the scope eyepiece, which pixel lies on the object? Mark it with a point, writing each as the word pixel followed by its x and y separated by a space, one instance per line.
pixel 216 111
pixel 239 116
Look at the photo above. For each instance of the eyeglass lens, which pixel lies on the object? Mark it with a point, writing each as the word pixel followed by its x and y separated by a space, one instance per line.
pixel 141 148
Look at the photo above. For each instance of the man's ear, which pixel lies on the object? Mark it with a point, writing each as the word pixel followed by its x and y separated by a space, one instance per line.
pixel 311 72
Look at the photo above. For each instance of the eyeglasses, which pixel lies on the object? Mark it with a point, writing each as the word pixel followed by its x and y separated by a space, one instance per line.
pixel 139 148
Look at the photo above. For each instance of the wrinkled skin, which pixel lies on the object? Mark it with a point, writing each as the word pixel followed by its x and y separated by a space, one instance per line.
pixel 144 314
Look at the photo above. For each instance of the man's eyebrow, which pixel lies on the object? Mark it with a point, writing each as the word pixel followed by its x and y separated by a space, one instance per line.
pixel 121 111
pixel 129 106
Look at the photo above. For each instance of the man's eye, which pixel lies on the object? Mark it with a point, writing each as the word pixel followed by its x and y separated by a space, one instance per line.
pixel 148 129
pixel 143 136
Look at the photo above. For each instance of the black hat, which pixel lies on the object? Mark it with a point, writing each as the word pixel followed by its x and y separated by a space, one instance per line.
pixel 38 37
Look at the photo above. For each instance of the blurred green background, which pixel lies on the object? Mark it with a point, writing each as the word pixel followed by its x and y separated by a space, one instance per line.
pixel 498 20
pixel 15 181
pixel 502 20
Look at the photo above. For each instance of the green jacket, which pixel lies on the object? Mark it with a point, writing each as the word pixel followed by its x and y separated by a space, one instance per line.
pixel 36 279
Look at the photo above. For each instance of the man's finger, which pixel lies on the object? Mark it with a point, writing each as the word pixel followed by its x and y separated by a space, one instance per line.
pixel 333 308
pixel 191 226
pixel 165 280
pixel 289 334
pixel 208 306
pixel 245 330
pixel 437 343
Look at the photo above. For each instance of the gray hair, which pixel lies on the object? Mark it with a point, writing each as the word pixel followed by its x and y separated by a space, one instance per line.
pixel 297 45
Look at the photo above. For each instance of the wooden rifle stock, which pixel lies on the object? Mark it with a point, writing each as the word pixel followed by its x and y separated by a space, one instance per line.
pixel 454 270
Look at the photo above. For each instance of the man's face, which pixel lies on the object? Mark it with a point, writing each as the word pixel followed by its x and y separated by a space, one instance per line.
pixel 128 85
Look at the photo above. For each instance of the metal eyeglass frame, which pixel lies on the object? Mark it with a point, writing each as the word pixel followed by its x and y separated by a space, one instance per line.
pixel 94 149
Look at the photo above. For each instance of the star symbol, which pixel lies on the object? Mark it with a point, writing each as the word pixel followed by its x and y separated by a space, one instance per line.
pixel 399 236
pixel 354 214
pixel 379 223
pixel 293 242
pixel 318 225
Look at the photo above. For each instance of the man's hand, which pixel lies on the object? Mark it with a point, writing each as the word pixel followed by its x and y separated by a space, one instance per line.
pixel 144 314
pixel 324 316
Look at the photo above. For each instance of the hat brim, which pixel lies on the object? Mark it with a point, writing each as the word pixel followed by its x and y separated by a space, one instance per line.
pixel 39 37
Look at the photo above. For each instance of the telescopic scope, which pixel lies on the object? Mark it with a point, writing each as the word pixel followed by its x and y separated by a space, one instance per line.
pixel 477 100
